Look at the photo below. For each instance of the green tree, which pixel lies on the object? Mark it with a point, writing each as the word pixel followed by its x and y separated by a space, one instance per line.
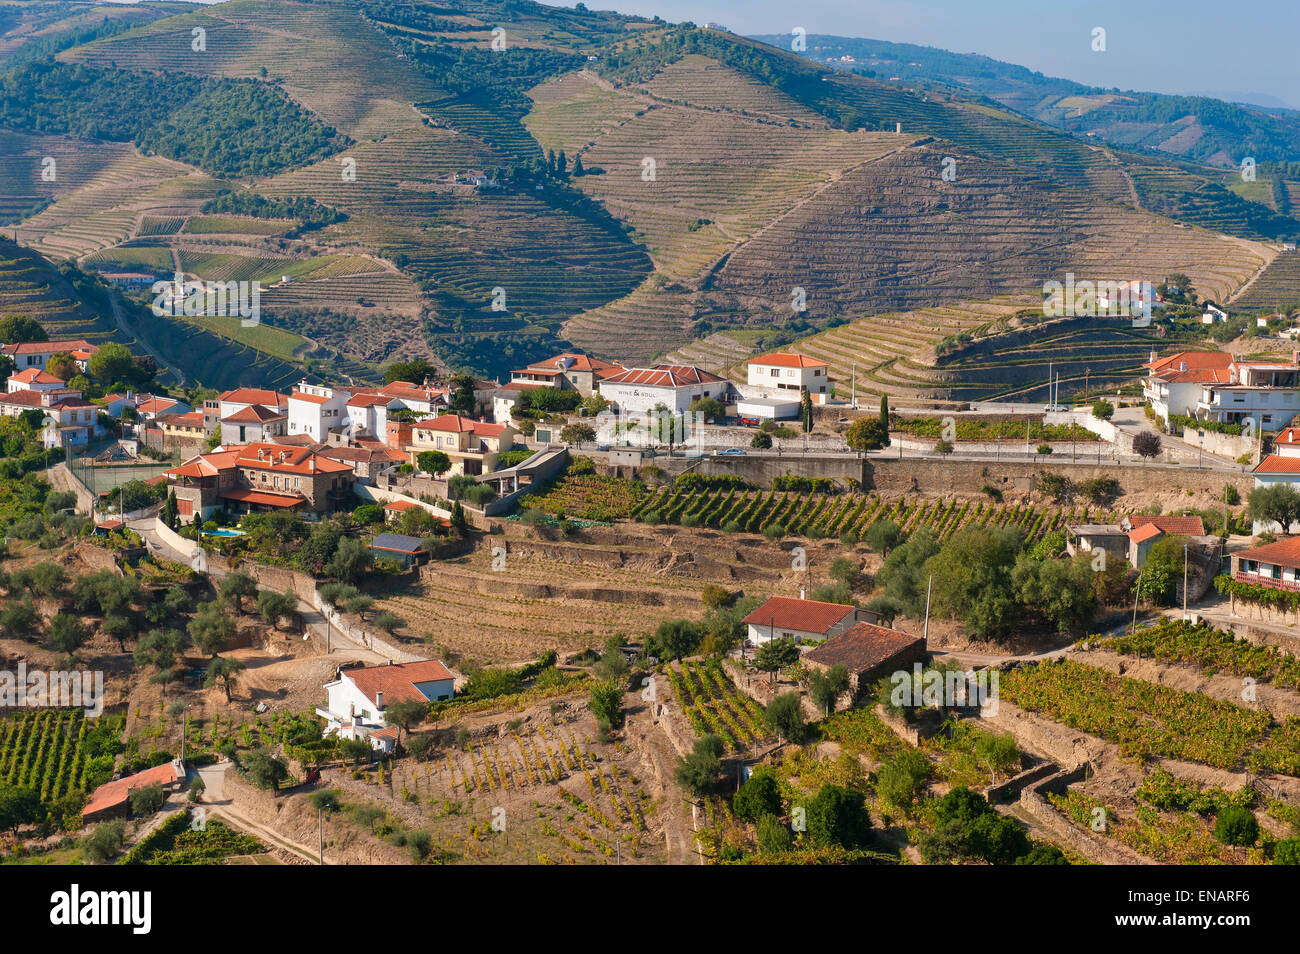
pixel 761 441
pixel 223 671
pixel 275 607
pixel 776 654
pixel 1102 409
pixel 867 433
pixel 147 799
pixel 675 638
pixel 711 408
pixel 826 687
pixel 212 629
pixel 405 715
pixel 20 329
pixel 433 462
pixel 1236 825
pixel 577 433
pixel 773 836
pixel 351 561
pixel 972 579
pixel 67 633
pixel 1275 503
pixel 18 806
pixel 235 588
pixel 784 716
pixel 884 412
pixel 264 770
pixel 806 410
pixel 701 770
pixel 104 843
pixel 759 796
pixel 607 703
pixel 837 817
pixel 902 779
pixel 113 362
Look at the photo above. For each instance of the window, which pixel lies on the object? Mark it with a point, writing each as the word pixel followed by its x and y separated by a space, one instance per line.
pixel 776 372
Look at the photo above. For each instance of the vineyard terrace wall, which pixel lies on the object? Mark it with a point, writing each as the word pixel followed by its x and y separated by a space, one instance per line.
pixel 929 476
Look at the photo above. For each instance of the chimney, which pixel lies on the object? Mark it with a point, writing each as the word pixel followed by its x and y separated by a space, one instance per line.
pixel 1153 355
pixel 802 591
pixel 379 699
pixel 1182 365
pixel 311 466
pixel 352 710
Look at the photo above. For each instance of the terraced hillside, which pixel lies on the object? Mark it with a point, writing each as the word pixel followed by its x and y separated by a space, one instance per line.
pixel 1278 286
pixel 30 286
pixel 721 176
pixel 999 355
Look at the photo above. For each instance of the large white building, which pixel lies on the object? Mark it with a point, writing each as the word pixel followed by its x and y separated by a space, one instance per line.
pixel 787 375
pixel 358 698
pixel 316 410
pixel 1215 386
pixel 638 391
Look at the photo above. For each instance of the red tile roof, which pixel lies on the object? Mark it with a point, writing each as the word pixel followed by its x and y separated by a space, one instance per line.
pixel 255 396
pixel 26 397
pixel 397 682
pixel 1285 552
pixel 1277 464
pixel 809 616
pixel 263 498
pixel 48 347
pixel 1187 526
pixel 1144 532
pixel 400 506
pixel 310 398
pixel 457 424
pixel 783 359
pixel 253 414
pixel 663 376
pixel 863 647
pixel 575 361
pixel 112 794
pixel 192 419
pixel 286 459
pixel 36 376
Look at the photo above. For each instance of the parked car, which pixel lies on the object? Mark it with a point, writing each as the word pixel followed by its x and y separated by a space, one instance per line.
pixel 731 452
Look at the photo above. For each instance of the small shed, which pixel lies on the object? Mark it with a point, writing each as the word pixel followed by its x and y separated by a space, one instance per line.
pixel 767 409
pixel 406 550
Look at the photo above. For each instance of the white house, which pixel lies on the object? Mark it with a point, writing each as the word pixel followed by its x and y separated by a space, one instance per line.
pixel 785 375
pixel 1263 391
pixel 368 414
pixel 34 379
pixel 1173 385
pixel 315 410
pixel 1213 315
pixel 1281 467
pixel 640 390
pixel 358 698
pixel 783 617
pixel 35 354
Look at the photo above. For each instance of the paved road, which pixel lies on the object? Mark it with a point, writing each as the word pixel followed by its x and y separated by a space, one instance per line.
pixel 164 366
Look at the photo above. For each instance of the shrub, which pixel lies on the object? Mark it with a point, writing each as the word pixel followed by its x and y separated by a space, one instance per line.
pixel 774 531
pixel 759 796
pixel 1236 826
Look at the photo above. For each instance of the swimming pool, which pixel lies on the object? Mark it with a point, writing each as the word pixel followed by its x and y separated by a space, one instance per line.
pixel 223 532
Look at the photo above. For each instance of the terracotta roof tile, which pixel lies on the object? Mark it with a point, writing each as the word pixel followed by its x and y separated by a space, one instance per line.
pixel 809 616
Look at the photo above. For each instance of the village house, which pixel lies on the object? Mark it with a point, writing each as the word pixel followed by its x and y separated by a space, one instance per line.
pixel 357 698
pixel 1274 565
pixel 638 391
pixel 34 379
pixel 151 406
pixel 787 375
pixel 474 447
pixel 246 415
pixel 36 354
pixel 784 617
pixel 315 410
pixel 570 371
pixel 1214 386
pixel 113 799
pixel 869 653
pixel 256 478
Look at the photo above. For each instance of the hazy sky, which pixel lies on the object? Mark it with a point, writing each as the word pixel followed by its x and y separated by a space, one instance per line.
pixel 1165 46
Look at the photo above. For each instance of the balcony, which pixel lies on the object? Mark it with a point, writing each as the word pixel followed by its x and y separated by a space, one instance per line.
pixel 1289 585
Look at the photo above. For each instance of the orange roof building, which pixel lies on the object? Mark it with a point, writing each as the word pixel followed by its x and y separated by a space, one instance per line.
pixel 784 617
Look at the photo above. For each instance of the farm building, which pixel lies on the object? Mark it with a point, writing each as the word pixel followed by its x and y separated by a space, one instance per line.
pixel 869 652
pixel 395 546
pixel 641 390
pixel 784 617
pixel 358 697
pixel 112 799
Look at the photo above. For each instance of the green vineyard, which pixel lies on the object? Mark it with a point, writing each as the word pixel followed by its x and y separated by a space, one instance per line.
pixel 714 705
pixel 831 515
pixel 55 752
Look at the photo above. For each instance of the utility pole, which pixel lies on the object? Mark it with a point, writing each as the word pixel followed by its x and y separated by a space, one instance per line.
pixel 320 819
